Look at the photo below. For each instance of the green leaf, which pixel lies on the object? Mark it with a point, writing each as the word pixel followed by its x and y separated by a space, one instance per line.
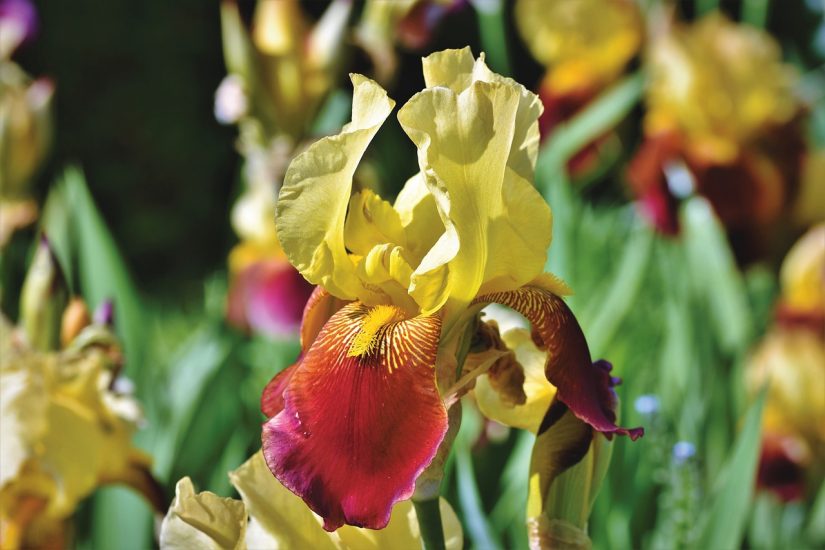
pixel 722 525
pixel 474 518
pixel 716 276
pixel 603 114
pixel 83 242
pixel 492 29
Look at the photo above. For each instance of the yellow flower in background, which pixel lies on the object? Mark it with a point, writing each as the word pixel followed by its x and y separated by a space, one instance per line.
pixel 791 359
pixel 723 122
pixel 585 44
pixel 803 275
pixel 270 516
pixel 719 85
pixel 65 432
pixel 65 419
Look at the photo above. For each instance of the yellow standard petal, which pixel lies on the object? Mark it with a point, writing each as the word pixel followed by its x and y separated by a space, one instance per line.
pixel 477 137
pixel 313 202
pixel 202 520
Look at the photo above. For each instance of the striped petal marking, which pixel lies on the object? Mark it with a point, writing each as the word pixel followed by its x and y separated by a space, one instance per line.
pixel 584 386
pixel 360 417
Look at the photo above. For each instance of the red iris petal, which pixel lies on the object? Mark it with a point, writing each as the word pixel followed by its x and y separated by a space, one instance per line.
pixel 355 432
pixel 272 399
pixel 320 306
pixel 584 386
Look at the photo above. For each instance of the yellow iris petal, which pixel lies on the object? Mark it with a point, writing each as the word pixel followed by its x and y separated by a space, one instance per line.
pixel 538 390
pixel 477 148
pixel 277 518
pixel 419 217
pixel 371 220
pixel 313 202
pixel 203 520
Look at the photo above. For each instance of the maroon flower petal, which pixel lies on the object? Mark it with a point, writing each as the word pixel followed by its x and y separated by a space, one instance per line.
pixel 584 386
pixel 268 297
pixel 320 306
pixel 362 416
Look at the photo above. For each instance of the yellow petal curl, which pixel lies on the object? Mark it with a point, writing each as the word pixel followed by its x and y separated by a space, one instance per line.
pixel 203 520
pixel 313 201
pixel 477 139
pixel 538 390
pixel 278 519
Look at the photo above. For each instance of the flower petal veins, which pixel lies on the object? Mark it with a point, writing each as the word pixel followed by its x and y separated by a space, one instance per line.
pixel 584 386
pixel 360 421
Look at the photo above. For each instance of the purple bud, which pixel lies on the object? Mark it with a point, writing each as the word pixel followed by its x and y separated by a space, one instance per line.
pixel 18 25
pixel 105 314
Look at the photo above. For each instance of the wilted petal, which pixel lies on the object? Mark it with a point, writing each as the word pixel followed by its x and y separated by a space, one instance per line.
pixel 584 386
pixel 202 520
pixel 313 201
pixel 538 391
pixel 362 416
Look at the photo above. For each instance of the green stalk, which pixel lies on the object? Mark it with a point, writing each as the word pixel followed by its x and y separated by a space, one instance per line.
pixel 493 34
pixel 429 521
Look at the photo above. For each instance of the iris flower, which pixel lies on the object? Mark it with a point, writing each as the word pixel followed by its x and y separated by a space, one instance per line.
pixel 65 419
pixel 721 108
pixel 515 392
pixel 269 516
pixel 66 431
pixel 354 422
pixel 792 357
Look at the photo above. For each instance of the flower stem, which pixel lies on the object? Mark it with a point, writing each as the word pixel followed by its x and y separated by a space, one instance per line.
pixel 429 520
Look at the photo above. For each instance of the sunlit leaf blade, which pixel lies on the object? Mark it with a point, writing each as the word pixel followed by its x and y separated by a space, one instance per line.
pixel 715 274
pixel 722 524
pixel 603 114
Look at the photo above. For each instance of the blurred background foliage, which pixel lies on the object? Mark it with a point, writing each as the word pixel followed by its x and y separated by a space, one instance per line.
pixel 144 218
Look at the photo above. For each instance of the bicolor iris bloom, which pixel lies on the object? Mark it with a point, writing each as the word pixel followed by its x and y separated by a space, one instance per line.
pixel 269 516
pixel 721 106
pixel 355 421
pixel 585 46
pixel 67 430
pixel 792 357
